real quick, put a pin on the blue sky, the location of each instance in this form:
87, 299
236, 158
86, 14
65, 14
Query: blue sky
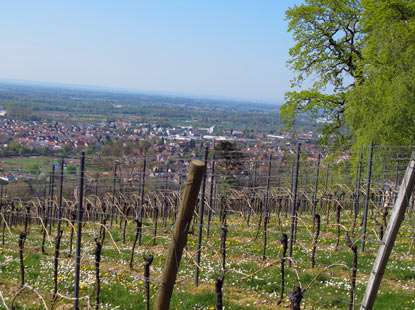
225, 49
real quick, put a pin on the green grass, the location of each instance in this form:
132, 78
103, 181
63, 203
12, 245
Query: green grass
26, 160
124, 287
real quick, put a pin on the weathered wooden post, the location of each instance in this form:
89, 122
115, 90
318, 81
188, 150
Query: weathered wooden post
22, 239
218, 290
284, 244
295, 296
385, 248
98, 248
181, 228
148, 260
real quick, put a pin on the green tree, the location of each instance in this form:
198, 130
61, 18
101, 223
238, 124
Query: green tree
19, 189
44, 150
230, 161
19, 111
71, 169
328, 50
67, 149
33, 168
145, 146
382, 108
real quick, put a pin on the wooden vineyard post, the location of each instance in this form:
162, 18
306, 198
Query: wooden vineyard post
181, 228
148, 260
388, 240
79, 213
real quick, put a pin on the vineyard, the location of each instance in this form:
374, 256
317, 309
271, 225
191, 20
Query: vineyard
268, 231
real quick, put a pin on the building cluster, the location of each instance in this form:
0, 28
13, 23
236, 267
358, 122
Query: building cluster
55, 135
171, 147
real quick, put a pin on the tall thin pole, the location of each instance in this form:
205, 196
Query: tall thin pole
316, 188
266, 209
96, 192
212, 185
167, 176
369, 177
58, 232
60, 195
294, 206
292, 179
252, 195
164, 203
45, 215
359, 175
327, 178
52, 185
201, 211
140, 211
113, 193
79, 213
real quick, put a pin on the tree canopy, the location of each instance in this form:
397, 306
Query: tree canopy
360, 57
382, 109
230, 161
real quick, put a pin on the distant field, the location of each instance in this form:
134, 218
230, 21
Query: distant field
32, 163
26, 160
79, 106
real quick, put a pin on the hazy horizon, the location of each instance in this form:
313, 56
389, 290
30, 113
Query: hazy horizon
116, 90
223, 50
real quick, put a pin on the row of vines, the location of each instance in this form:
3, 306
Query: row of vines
268, 232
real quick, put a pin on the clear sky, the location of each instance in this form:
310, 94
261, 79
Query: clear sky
216, 48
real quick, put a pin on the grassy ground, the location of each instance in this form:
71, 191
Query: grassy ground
25, 162
123, 288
